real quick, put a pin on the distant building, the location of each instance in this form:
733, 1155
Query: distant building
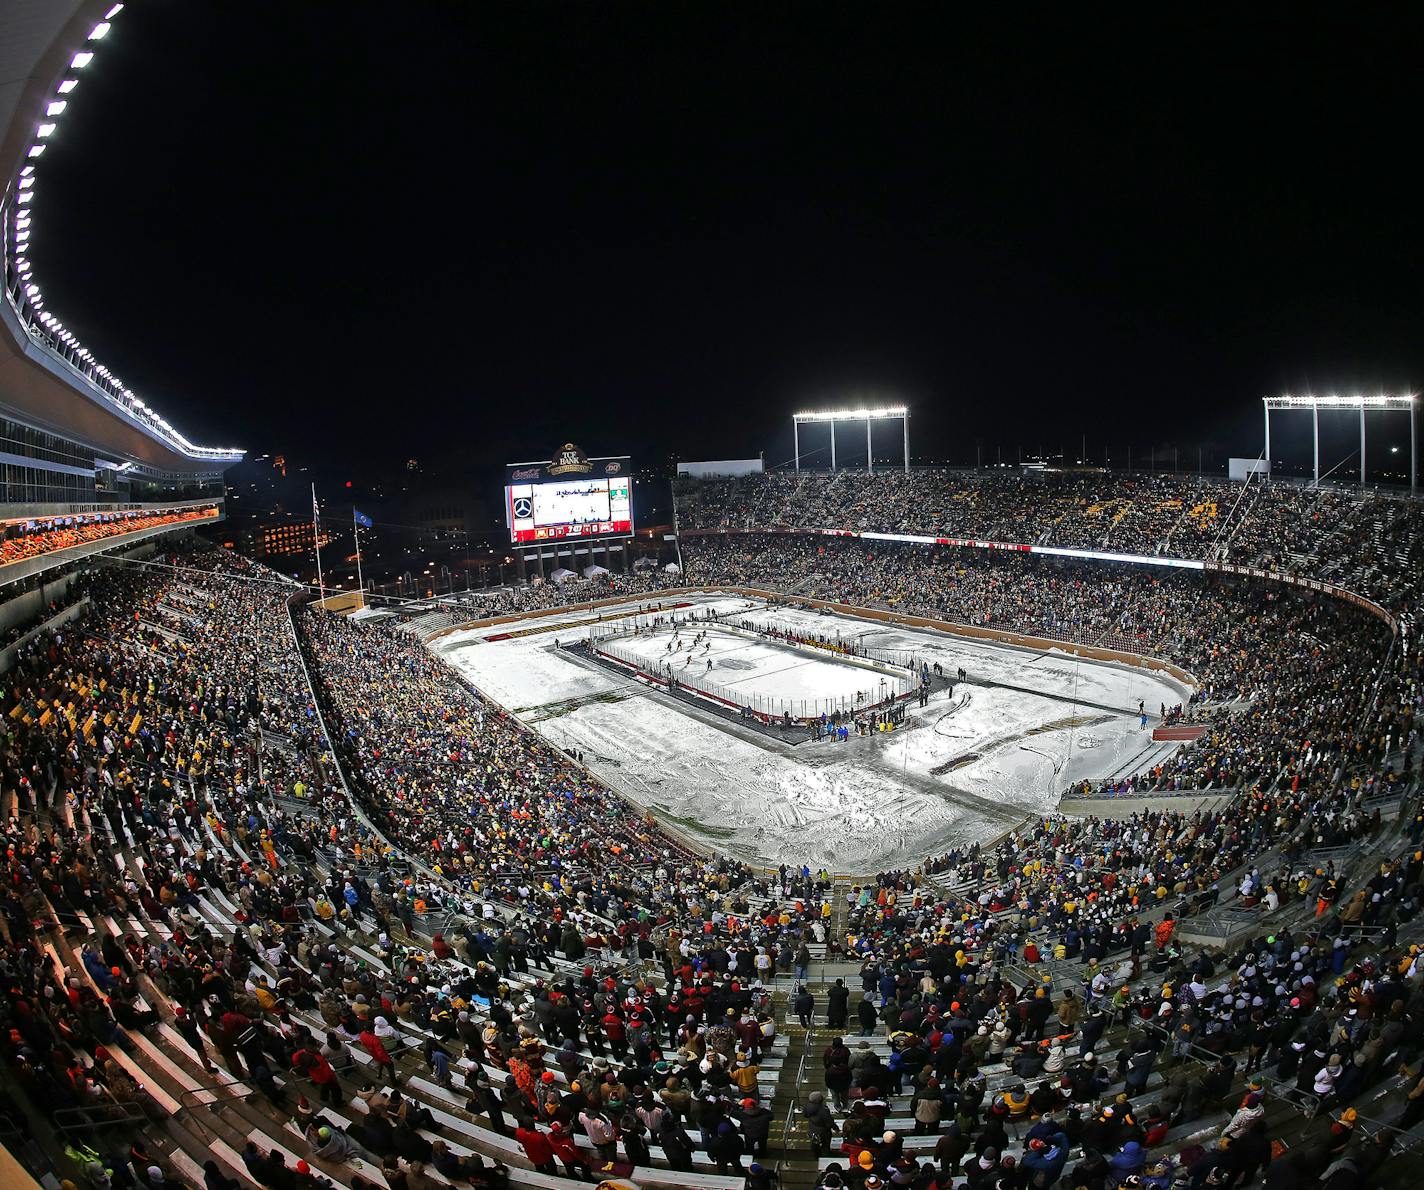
279, 537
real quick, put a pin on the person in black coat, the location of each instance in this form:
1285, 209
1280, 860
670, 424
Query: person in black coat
676, 1144
635, 1141
755, 1119
869, 1018
838, 1007
1252, 1151
725, 1148
804, 1005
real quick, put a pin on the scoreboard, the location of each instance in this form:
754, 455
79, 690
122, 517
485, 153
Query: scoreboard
568, 498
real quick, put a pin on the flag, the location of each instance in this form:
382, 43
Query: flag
362, 519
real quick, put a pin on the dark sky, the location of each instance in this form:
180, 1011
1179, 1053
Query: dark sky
371, 230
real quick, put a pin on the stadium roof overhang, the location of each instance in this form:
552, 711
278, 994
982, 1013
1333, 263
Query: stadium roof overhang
38, 38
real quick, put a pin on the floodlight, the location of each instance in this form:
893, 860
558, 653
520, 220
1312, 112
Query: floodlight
56, 108
99, 31
24, 196
1380, 403
36, 150
45, 130
22, 223
81, 60
113, 12
67, 86
852, 414
26, 182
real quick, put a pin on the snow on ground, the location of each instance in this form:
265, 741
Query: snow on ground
967, 766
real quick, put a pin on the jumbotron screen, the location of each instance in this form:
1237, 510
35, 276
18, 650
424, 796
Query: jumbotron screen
589, 498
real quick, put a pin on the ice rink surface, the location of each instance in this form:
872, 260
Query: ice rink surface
965, 767
768, 675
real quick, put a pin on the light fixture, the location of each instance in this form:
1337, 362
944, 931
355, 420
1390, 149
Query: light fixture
67, 86
36, 150
24, 196
99, 31
56, 108
113, 12
81, 60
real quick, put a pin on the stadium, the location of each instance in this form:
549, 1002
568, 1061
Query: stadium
883, 822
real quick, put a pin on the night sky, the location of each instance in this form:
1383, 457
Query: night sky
473, 231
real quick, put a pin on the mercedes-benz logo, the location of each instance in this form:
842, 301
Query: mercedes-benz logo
523, 507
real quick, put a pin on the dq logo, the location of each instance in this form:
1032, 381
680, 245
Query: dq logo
612, 468
523, 506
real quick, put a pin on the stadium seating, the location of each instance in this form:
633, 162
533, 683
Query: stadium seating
250, 843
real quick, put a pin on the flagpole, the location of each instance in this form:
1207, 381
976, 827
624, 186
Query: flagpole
356, 529
316, 542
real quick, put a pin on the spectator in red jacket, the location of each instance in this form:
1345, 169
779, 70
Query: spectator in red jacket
561, 1140
616, 1032
314, 1065
537, 1148
385, 1064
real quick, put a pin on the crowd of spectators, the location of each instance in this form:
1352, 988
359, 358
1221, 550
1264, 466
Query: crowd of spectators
1369, 543
541, 596
30, 539
602, 995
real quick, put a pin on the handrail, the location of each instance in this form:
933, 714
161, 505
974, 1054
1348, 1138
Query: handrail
214, 1102
791, 1108
109, 1113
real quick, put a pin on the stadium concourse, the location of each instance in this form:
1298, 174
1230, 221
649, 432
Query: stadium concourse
287, 902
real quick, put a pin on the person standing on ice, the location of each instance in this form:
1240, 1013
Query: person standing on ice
709, 665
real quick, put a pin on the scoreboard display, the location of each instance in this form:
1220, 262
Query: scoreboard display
568, 498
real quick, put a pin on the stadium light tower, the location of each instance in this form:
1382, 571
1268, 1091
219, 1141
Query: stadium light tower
900, 413
1401, 403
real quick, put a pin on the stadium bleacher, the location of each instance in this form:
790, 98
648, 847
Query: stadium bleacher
271, 871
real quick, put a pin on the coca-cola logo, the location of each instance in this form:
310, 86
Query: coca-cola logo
526, 473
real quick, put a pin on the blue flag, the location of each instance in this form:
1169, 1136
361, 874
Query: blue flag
362, 519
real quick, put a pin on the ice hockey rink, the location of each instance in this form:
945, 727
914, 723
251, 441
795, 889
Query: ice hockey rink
771, 676
1007, 743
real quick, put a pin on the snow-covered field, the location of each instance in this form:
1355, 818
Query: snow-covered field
965, 767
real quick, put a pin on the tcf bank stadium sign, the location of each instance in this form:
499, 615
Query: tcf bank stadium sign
569, 460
